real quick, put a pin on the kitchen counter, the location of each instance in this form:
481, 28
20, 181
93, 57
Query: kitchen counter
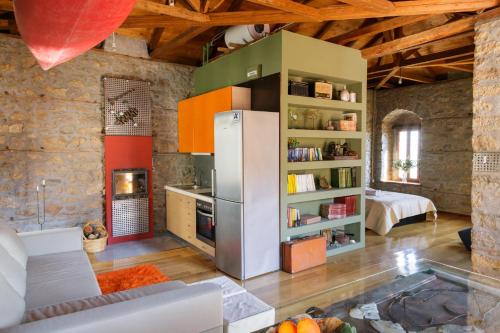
201, 193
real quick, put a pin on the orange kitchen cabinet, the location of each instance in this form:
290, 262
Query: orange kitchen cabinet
196, 117
184, 125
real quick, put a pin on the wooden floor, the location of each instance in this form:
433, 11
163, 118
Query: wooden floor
401, 248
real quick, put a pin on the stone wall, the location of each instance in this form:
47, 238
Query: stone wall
446, 150
486, 138
51, 128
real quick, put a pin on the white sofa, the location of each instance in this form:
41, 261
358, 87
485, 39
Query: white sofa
47, 285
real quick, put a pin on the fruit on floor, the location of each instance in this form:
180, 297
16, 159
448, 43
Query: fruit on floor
307, 326
287, 326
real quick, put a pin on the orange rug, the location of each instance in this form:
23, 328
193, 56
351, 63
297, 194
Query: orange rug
129, 278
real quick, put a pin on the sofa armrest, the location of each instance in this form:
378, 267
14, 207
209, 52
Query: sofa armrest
52, 241
191, 309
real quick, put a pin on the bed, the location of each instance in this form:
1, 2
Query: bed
384, 209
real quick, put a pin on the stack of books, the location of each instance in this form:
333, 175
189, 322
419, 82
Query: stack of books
350, 202
304, 154
301, 183
333, 211
293, 217
344, 177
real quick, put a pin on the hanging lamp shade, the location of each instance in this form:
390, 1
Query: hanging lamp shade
56, 31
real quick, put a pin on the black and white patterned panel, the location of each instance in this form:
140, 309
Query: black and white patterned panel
130, 216
127, 107
486, 162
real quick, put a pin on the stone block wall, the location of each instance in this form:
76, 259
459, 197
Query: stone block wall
51, 127
446, 148
486, 138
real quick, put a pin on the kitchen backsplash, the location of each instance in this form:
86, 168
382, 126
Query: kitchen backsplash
203, 164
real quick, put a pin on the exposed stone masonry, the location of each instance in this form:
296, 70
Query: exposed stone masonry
486, 138
446, 150
51, 128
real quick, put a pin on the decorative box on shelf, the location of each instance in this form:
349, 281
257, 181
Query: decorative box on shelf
298, 88
345, 125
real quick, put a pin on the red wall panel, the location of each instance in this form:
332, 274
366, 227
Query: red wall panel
126, 152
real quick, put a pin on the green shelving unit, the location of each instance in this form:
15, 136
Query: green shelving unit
288, 56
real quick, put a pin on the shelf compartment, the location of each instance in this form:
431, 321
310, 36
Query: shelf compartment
325, 104
329, 164
324, 224
323, 194
343, 249
322, 134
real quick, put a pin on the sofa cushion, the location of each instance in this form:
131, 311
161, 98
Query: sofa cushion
13, 244
60, 277
13, 272
12, 305
96, 301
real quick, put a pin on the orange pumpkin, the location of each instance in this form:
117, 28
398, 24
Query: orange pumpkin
308, 326
287, 326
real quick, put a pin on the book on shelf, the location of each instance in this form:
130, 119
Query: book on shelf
304, 154
301, 183
309, 219
350, 202
344, 177
293, 217
333, 211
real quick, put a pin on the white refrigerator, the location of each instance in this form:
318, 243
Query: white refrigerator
246, 192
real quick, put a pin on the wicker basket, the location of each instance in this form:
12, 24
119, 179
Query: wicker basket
94, 245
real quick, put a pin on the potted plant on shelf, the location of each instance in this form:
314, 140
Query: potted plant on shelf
405, 166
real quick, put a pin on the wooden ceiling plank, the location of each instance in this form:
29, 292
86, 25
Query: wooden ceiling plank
173, 11
330, 13
155, 38
195, 4
423, 37
416, 77
378, 5
324, 29
377, 28
192, 32
292, 7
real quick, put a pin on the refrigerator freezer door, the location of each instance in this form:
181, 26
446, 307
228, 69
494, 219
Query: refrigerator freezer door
229, 241
261, 192
228, 156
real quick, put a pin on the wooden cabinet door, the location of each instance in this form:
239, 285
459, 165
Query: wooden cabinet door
181, 215
206, 106
185, 128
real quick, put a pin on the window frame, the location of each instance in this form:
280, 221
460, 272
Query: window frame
397, 129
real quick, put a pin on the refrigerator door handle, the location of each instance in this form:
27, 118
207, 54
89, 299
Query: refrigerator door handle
212, 174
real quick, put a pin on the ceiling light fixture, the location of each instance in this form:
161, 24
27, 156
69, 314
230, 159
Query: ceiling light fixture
400, 81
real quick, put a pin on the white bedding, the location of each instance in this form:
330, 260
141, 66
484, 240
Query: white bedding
385, 209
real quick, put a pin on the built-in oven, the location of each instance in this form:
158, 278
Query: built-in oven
205, 224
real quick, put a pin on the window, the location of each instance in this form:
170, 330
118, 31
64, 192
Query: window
408, 148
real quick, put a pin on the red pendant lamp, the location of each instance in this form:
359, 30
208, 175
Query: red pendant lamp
56, 31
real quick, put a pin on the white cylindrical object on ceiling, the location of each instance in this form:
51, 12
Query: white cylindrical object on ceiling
244, 34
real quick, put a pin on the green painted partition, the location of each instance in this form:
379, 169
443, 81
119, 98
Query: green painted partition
292, 56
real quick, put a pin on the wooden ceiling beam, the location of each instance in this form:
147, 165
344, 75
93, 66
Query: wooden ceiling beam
416, 77
444, 55
6, 5
378, 5
330, 13
423, 37
377, 28
461, 68
292, 7
172, 11
387, 78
